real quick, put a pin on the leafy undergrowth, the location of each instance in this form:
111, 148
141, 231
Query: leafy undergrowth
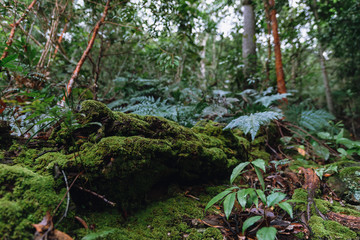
286, 183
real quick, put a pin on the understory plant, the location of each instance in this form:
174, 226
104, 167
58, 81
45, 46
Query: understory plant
246, 197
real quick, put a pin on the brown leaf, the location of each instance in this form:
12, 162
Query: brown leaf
44, 230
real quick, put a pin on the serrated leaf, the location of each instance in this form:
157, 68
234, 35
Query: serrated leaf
249, 222
287, 207
266, 233
237, 170
242, 194
261, 195
260, 177
229, 204
217, 198
259, 163
275, 198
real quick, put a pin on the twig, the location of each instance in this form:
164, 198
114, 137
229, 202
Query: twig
67, 201
97, 195
77, 176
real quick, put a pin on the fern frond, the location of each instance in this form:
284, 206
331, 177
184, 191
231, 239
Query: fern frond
252, 123
315, 120
267, 100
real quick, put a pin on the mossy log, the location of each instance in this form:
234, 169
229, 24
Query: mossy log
123, 157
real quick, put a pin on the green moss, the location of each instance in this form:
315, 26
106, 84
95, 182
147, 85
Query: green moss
47, 161
27, 156
24, 198
168, 219
95, 112
256, 153
329, 229
350, 172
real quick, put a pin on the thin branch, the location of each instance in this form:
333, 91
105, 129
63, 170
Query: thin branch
97, 195
86, 53
14, 26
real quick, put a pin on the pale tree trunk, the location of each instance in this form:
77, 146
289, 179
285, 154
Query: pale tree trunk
248, 41
180, 68
329, 100
278, 61
203, 83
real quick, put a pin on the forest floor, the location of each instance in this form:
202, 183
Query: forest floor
143, 177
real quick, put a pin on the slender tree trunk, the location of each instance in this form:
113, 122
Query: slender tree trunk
268, 59
86, 52
329, 100
15, 25
278, 62
203, 83
248, 41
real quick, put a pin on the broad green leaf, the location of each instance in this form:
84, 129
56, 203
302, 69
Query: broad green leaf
253, 199
285, 140
229, 203
321, 151
275, 198
259, 163
242, 194
249, 222
320, 172
217, 198
324, 135
287, 207
346, 142
342, 152
237, 171
261, 195
266, 233
260, 176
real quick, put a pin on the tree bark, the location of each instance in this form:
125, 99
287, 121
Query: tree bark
203, 62
15, 25
248, 41
278, 61
86, 52
268, 25
329, 100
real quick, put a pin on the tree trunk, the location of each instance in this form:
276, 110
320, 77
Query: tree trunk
248, 42
268, 59
329, 100
278, 62
203, 83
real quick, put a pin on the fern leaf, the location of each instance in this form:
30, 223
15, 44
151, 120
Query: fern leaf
267, 100
252, 123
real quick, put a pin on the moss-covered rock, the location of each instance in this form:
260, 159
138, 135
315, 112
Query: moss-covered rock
25, 196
